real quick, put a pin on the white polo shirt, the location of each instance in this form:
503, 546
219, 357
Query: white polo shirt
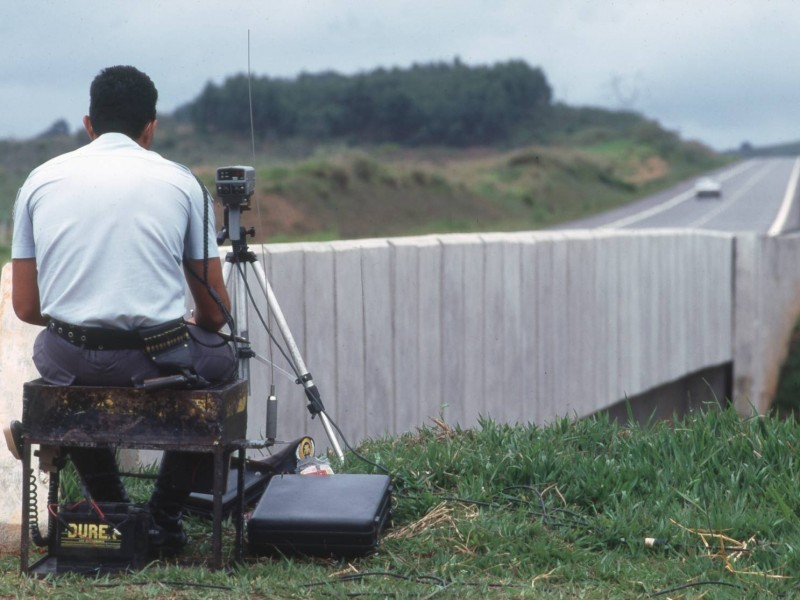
109, 225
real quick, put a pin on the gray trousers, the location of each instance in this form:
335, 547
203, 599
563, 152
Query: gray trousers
62, 363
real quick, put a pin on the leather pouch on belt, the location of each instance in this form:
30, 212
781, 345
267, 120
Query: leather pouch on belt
167, 345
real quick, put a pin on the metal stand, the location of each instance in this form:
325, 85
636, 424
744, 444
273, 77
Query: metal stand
210, 421
241, 257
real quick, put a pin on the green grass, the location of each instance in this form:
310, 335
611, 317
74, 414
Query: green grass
311, 193
787, 396
561, 511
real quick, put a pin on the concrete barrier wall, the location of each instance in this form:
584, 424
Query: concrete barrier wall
517, 327
524, 327
767, 307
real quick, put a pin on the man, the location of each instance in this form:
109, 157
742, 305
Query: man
105, 239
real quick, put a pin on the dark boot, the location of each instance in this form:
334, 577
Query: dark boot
97, 468
167, 536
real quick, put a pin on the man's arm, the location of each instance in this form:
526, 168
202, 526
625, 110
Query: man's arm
25, 291
207, 313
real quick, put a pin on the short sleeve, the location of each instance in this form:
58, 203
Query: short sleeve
22, 244
201, 235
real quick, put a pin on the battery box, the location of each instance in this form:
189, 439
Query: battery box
100, 537
337, 515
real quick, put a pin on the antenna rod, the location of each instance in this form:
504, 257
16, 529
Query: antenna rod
250, 97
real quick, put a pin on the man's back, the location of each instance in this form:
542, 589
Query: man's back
112, 223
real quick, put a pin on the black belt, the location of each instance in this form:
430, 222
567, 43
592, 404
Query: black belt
97, 338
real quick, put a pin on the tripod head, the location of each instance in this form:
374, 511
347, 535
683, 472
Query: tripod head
235, 187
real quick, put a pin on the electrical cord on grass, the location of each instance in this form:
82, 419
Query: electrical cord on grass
429, 579
359, 576
695, 584
165, 582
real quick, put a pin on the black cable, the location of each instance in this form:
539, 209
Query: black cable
206, 201
212, 292
394, 477
530, 488
33, 513
695, 584
430, 579
164, 582
199, 342
275, 341
359, 576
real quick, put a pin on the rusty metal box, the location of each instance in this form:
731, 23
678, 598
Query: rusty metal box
85, 415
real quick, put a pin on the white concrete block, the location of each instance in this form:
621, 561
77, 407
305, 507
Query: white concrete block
529, 330
405, 335
473, 404
513, 332
349, 323
16, 368
376, 268
581, 318
319, 305
433, 354
462, 331
495, 303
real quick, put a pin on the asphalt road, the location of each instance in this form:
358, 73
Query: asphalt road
755, 196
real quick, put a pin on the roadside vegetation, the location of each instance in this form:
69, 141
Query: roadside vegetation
434, 148
338, 191
702, 507
561, 511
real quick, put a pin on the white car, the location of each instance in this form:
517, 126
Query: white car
707, 187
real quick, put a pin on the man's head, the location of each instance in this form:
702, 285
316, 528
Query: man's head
123, 100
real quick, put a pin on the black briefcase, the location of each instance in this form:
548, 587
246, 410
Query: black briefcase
339, 515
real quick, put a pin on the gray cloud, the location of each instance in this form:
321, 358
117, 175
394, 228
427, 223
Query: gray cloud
717, 70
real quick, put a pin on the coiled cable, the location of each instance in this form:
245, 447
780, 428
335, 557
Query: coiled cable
33, 509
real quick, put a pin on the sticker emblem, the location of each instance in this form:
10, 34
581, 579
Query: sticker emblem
305, 448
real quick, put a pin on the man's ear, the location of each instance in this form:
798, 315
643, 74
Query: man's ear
87, 125
146, 137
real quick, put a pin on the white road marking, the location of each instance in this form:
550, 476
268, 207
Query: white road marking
788, 199
672, 202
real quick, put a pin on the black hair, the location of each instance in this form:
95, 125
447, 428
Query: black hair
122, 100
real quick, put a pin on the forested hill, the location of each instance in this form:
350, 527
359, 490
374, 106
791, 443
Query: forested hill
433, 148
438, 104
449, 105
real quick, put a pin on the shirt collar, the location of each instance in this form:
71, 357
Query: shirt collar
114, 139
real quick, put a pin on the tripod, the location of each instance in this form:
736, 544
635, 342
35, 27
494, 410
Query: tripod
236, 262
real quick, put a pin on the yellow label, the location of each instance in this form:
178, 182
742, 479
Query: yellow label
91, 534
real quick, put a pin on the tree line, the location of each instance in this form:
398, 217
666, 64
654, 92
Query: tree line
449, 104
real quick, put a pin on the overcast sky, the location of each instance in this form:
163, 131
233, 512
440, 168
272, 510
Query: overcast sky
720, 71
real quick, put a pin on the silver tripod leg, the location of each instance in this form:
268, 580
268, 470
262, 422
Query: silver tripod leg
304, 375
238, 294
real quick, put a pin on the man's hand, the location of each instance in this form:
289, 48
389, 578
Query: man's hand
207, 313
